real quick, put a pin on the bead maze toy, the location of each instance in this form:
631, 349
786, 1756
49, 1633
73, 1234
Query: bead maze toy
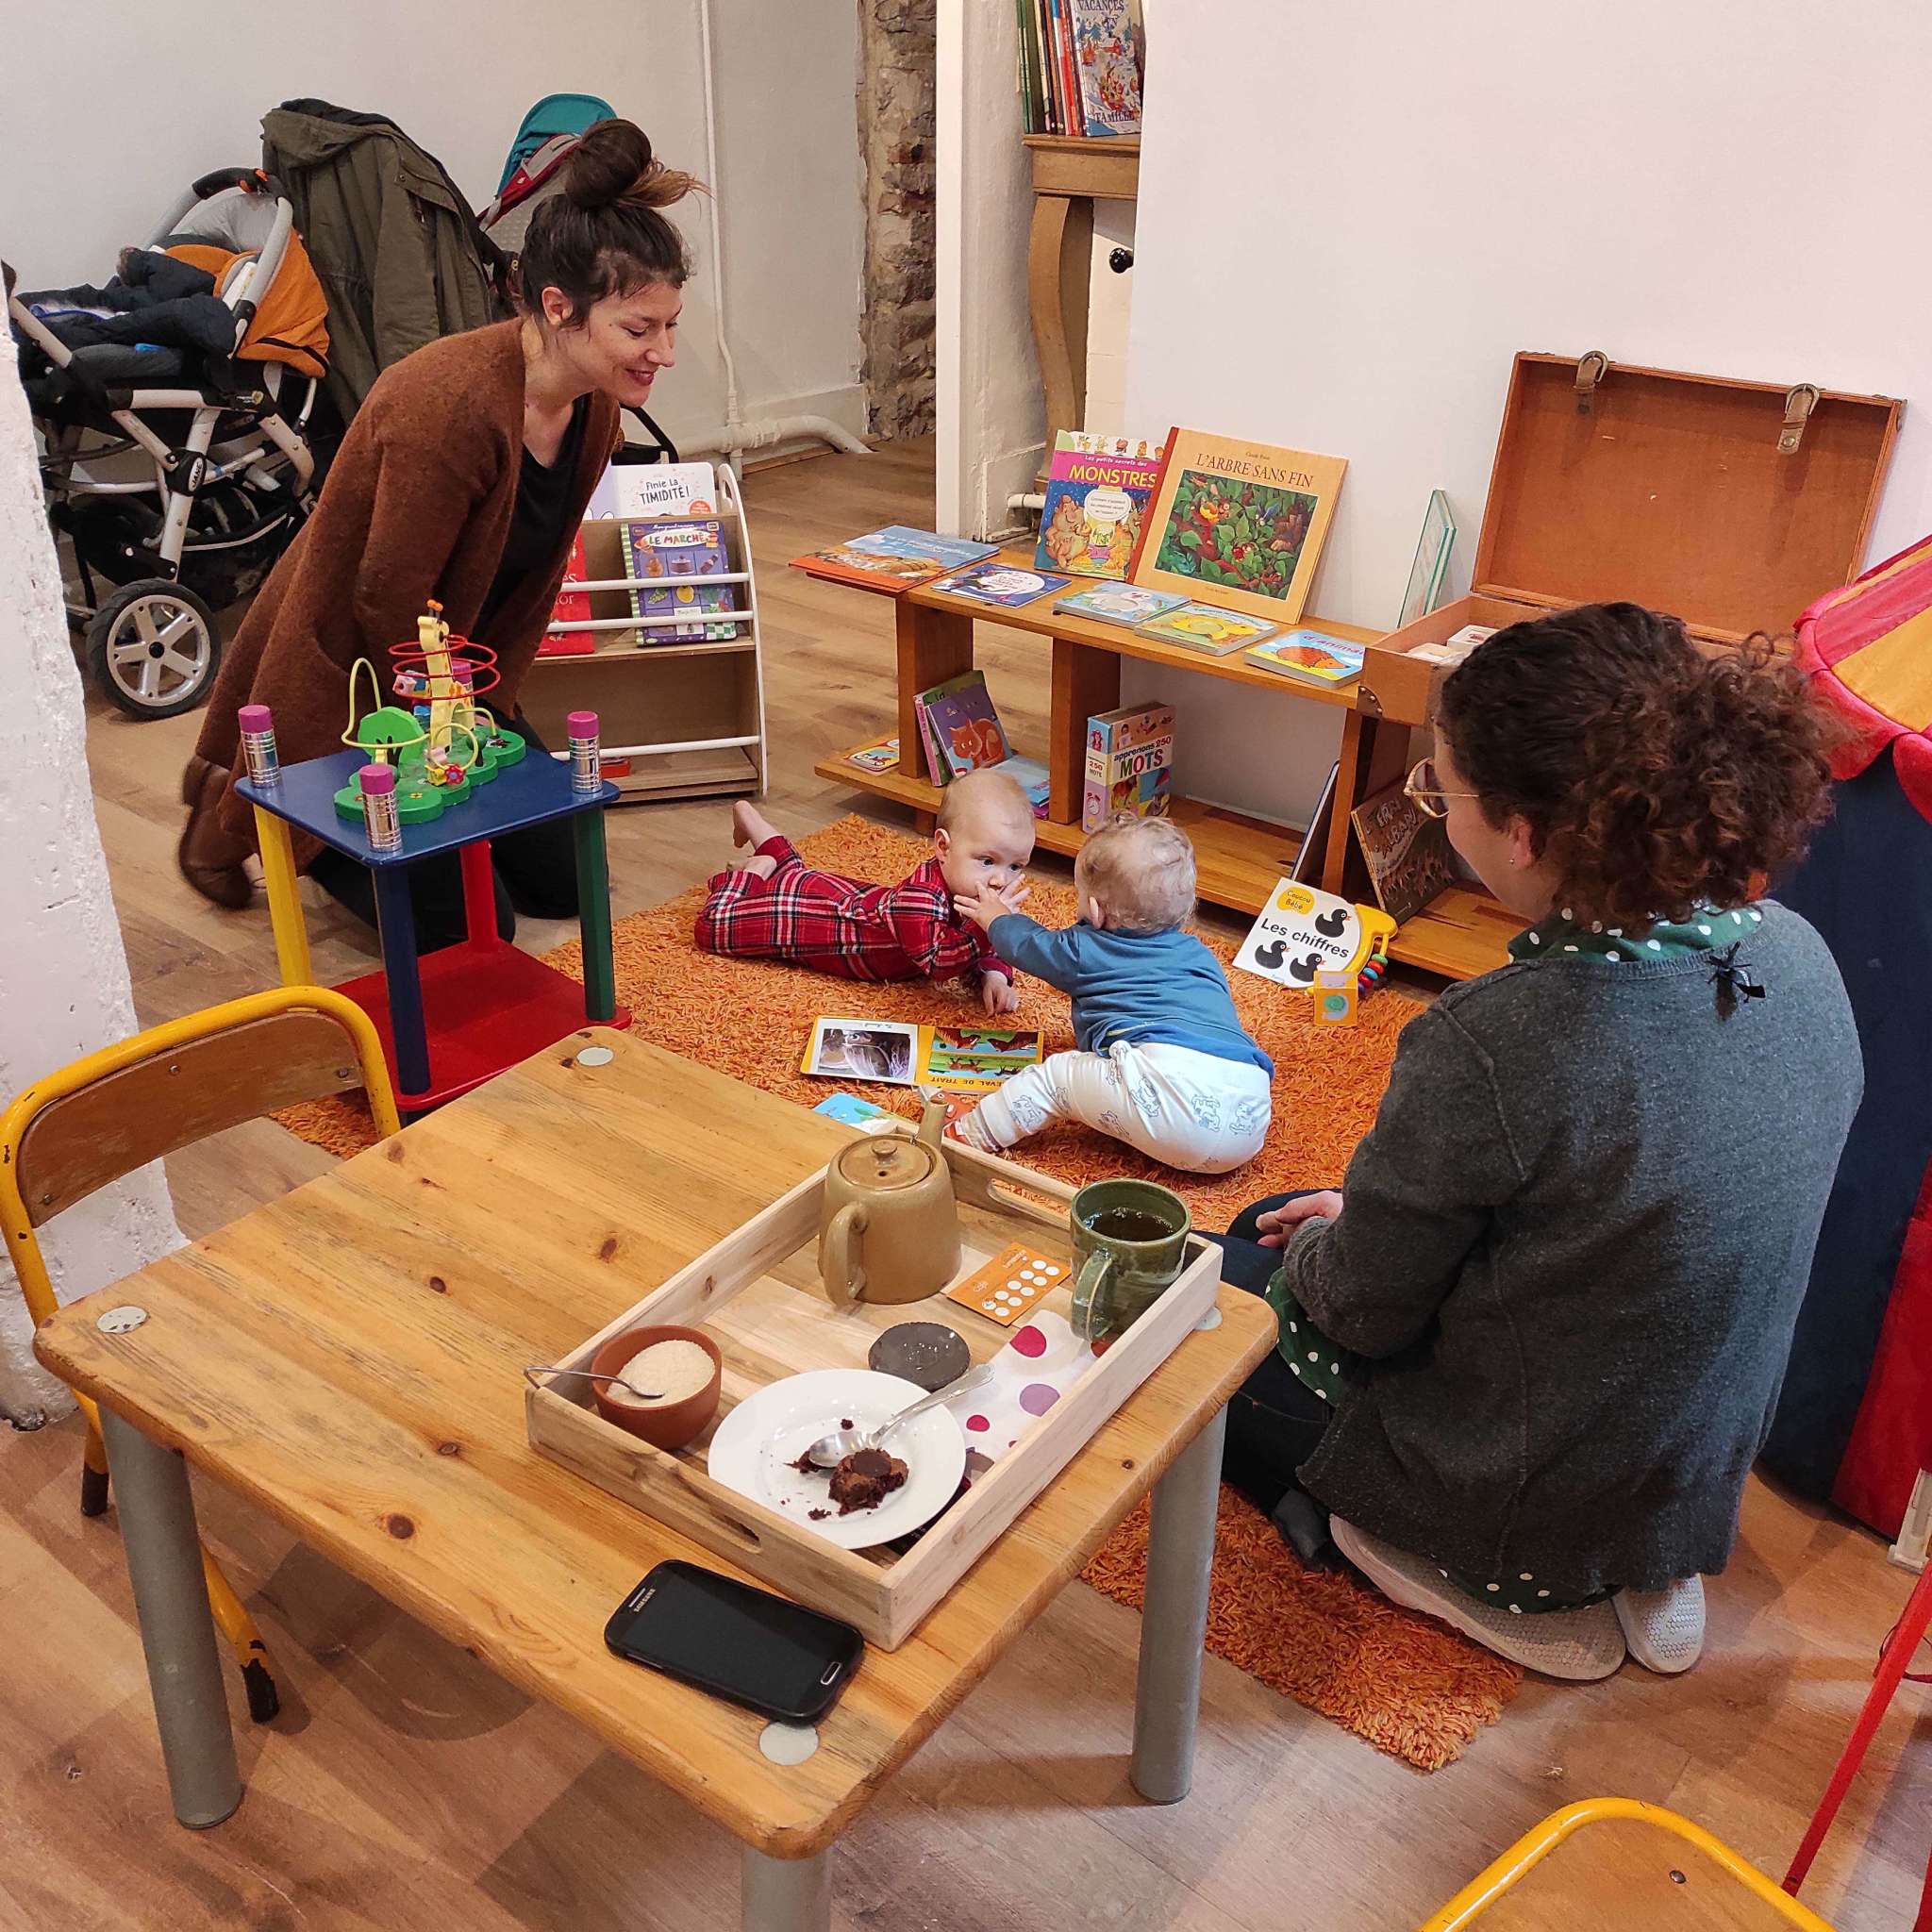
444, 744
438, 773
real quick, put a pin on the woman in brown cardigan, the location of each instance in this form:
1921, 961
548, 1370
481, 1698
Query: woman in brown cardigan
463, 478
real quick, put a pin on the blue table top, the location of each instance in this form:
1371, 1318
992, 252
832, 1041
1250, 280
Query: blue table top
527, 793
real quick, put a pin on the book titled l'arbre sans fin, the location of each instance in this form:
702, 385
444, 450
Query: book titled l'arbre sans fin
892, 560
1239, 524
1129, 764
1311, 655
1097, 492
663, 553
961, 729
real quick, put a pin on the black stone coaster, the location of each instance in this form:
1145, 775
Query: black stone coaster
926, 1352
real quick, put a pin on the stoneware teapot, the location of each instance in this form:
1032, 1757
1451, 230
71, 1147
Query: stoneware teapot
890, 1230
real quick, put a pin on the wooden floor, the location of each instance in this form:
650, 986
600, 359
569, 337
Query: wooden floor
404, 1787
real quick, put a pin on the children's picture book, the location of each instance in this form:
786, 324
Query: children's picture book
1120, 604
1424, 590
1106, 66
573, 606
1032, 778
876, 755
1311, 655
1242, 524
959, 1058
892, 560
1000, 583
1129, 764
963, 731
855, 1112
657, 490
1097, 491
660, 551
1303, 930
1314, 846
1407, 850
1206, 627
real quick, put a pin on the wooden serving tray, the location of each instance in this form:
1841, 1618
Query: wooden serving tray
757, 1295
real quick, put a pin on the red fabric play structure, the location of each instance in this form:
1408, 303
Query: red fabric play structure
1855, 1422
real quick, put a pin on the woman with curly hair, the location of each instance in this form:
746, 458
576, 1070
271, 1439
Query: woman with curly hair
1531, 1349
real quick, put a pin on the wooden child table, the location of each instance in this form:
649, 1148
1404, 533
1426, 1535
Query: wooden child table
351, 1355
482, 1004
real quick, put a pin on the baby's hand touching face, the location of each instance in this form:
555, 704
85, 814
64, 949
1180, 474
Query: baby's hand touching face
986, 856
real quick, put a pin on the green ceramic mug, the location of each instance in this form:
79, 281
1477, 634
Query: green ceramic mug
1130, 1241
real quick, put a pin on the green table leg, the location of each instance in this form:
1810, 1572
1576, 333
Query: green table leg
594, 917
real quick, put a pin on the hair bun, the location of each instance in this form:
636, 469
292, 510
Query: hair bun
612, 163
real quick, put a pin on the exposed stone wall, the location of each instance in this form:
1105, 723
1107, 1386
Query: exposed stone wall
896, 47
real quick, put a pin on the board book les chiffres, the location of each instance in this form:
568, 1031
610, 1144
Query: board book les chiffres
1302, 931
960, 1058
1097, 491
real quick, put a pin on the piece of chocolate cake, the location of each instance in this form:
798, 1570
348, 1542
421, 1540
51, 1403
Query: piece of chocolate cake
865, 1479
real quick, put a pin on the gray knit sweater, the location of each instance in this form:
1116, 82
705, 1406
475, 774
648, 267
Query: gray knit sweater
1574, 1244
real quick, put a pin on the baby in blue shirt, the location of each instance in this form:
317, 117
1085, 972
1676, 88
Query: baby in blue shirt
1163, 1062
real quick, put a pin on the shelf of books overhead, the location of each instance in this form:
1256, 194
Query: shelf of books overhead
656, 629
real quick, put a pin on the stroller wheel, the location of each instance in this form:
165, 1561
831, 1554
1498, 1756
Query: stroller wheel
153, 648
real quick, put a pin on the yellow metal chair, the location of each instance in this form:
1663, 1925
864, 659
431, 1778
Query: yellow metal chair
1609, 1864
116, 1110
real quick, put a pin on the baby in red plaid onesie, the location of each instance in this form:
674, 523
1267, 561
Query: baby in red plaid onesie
775, 907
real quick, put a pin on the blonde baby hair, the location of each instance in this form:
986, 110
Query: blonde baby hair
1141, 870
989, 793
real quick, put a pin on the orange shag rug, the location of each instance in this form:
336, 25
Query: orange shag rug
1406, 1684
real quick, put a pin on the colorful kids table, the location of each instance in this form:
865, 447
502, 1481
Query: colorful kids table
481, 1004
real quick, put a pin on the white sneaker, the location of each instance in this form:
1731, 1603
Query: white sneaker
1663, 1627
1579, 1645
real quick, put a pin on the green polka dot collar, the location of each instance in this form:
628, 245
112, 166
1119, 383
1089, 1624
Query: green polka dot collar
1560, 937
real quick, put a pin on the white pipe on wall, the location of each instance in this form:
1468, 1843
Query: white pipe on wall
735, 435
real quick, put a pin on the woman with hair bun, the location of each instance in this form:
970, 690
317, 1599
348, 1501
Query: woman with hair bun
463, 478
1531, 1349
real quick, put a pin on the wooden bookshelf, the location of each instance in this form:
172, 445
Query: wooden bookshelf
1239, 858
687, 715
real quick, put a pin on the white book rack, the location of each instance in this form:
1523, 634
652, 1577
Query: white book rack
685, 715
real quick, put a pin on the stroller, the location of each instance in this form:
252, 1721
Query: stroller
173, 410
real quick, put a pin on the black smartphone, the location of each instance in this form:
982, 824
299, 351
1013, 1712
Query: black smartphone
735, 1641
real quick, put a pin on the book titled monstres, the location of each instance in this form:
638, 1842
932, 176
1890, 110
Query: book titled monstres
1097, 490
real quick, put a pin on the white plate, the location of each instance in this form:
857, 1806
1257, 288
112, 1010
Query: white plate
756, 1445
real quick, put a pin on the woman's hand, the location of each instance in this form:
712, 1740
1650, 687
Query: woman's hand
984, 906
1279, 1223
996, 993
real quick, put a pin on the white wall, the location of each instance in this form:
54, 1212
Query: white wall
1400, 198
63, 976
990, 409
108, 112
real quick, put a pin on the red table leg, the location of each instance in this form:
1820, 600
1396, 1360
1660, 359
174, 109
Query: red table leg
479, 893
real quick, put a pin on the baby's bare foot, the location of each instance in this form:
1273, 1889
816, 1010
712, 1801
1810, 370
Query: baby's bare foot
762, 863
750, 826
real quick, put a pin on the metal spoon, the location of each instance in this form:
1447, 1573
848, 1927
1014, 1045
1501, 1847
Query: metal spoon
829, 1452
537, 1369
